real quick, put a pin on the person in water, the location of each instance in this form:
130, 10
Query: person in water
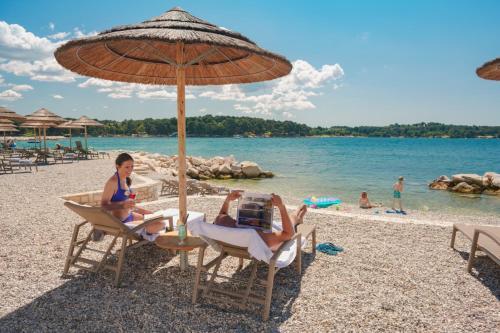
274, 239
116, 195
364, 202
398, 188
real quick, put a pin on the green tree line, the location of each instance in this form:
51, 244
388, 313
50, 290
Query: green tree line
225, 126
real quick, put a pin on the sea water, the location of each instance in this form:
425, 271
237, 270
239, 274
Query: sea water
344, 167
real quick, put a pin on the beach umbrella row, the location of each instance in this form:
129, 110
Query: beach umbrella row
70, 125
7, 125
46, 119
86, 121
175, 48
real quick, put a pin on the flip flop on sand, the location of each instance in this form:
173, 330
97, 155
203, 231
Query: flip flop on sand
329, 248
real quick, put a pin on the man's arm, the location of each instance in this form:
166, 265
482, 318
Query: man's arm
233, 195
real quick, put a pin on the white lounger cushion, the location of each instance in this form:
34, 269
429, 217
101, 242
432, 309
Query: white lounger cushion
193, 216
248, 238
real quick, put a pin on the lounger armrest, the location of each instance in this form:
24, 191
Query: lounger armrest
282, 247
146, 223
484, 232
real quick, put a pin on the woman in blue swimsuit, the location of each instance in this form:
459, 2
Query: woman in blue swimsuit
117, 190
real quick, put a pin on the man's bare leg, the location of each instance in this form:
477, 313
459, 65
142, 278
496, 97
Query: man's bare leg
289, 223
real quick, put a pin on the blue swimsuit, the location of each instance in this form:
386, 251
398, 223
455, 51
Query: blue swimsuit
121, 196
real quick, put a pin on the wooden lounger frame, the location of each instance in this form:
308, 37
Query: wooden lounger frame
103, 221
489, 242
209, 288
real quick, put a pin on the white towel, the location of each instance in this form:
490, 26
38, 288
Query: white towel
193, 216
244, 237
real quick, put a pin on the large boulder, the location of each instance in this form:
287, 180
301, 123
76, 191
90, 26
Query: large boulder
225, 169
193, 173
473, 179
459, 178
439, 185
250, 169
463, 187
491, 179
196, 161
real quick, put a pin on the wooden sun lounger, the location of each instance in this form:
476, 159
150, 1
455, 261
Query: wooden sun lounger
103, 221
484, 238
209, 289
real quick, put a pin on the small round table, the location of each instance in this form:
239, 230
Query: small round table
170, 241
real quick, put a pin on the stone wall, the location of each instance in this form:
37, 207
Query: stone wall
146, 189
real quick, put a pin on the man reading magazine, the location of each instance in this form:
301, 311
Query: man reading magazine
260, 220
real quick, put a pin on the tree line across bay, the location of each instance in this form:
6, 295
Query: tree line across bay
227, 126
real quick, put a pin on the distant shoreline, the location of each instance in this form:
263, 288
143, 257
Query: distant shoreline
60, 137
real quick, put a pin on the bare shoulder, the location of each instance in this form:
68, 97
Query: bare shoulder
111, 182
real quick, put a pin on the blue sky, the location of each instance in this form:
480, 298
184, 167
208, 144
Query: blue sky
355, 62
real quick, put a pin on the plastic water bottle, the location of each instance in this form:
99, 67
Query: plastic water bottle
181, 229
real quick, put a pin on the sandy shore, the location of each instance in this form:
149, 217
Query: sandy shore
396, 273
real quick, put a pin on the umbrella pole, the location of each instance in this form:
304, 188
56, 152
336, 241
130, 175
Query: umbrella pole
181, 136
70, 138
45, 144
181, 130
86, 147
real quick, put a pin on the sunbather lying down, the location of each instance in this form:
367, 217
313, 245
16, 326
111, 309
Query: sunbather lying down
274, 239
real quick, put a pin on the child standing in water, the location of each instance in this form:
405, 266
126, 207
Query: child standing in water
398, 189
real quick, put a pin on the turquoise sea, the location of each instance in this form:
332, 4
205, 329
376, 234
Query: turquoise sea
343, 167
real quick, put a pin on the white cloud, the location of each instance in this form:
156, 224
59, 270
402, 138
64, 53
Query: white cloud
287, 114
242, 108
93, 82
80, 34
17, 43
2, 80
293, 92
203, 110
24, 54
20, 87
119, 95
118, 90
10, 95
105, 107
57, 97
52, 26
59, 35
157, 94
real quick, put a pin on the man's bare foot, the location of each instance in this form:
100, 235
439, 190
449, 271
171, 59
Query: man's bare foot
299, 215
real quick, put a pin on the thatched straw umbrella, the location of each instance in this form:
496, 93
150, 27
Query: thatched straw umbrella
7, 126
86, 121
9, 114
37, 125
70, 125
45, 116
174, 48
490, 70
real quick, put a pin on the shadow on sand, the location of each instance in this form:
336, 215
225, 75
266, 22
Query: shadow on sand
485, 270
155, 296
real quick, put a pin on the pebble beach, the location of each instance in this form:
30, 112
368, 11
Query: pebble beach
395, 273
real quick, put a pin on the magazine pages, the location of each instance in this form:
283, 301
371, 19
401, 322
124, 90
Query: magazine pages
255, 210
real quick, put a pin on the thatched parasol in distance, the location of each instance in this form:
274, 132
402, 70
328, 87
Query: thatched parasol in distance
174, 48
9, 114
37, 125
45, 116
70, 125
7, 126
86, 121
490, 70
